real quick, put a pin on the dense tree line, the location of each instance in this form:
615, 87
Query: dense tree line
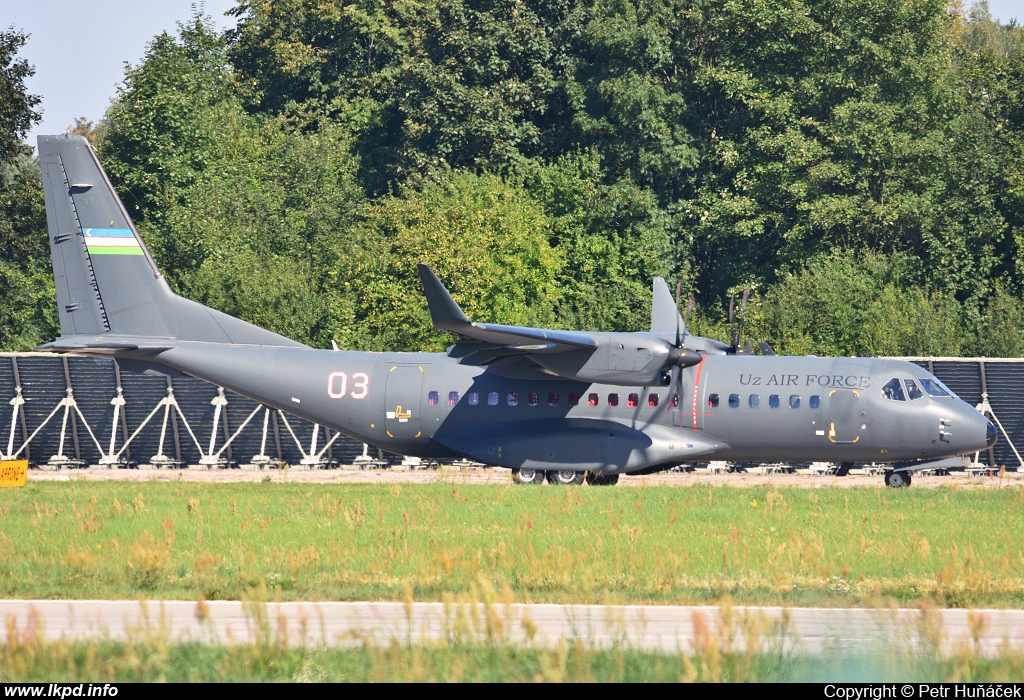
858, 163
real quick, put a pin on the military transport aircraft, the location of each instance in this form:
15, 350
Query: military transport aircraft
565, 406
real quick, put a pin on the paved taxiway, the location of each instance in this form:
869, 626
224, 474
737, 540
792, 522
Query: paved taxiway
498, 476
669, 628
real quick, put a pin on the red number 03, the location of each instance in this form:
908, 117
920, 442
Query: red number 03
337, 385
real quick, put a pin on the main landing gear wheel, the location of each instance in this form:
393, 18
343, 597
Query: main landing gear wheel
527, 476
602, 480
565, 477
897, 480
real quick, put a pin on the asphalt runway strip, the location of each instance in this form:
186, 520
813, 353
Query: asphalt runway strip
665, 628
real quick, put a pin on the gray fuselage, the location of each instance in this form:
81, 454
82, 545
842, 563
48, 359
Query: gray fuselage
429, 405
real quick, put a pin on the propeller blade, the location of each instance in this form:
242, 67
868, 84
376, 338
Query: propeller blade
743, 313
766, 349
732, 332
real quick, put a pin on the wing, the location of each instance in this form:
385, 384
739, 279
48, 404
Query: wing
481, 343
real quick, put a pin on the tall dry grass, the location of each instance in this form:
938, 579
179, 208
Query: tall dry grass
732, 646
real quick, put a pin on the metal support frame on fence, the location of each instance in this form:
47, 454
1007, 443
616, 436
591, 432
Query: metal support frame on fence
17, 402
60, 460
214, 450
263, 460
985, 408
365, 461
111, 458
312, 459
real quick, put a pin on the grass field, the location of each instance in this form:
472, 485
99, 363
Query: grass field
839, 547
148, 661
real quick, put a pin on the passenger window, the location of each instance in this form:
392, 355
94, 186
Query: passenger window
652, 399
675, 401
815, 401
492, 398
633, 400
912, 391
453, 398
533, 399
754, 401
593, 400
574, 399
713, 401
433, 397
893, 390
513, 398
473, 397
773, 401
734, 400
794, 401
933, 388
553, 398
613, 399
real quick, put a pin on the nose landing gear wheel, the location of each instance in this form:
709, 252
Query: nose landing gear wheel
565, 477
602, 480
527, 476
897, 480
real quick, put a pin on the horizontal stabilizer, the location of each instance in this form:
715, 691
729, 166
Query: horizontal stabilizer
104, 345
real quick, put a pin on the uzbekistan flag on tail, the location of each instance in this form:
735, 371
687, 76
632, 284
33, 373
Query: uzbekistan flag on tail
111, 241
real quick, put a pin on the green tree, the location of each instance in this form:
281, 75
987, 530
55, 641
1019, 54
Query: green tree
265, 230
858, 303
613, 240
242, 212
486, 240
27, 303
458, 83
164, 120
17, 106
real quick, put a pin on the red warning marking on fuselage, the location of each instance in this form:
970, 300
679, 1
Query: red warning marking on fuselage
696, 386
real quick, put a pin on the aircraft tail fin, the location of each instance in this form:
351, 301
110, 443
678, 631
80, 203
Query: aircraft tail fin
107, 282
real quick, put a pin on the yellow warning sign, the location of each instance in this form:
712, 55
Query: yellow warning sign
13, 473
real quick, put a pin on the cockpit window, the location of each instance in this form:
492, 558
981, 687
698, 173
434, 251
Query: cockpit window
933, 388
893, 391
912, 391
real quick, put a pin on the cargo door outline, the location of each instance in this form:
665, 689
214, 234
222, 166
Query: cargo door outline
844, 416
402, 397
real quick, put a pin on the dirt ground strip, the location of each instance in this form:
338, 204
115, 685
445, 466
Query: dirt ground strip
498, 476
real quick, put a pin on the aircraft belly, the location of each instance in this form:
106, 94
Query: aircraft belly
578, 445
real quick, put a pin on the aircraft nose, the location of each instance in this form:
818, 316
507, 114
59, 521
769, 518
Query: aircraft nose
991, 434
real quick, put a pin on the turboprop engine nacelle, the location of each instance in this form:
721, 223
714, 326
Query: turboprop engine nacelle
630, 359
